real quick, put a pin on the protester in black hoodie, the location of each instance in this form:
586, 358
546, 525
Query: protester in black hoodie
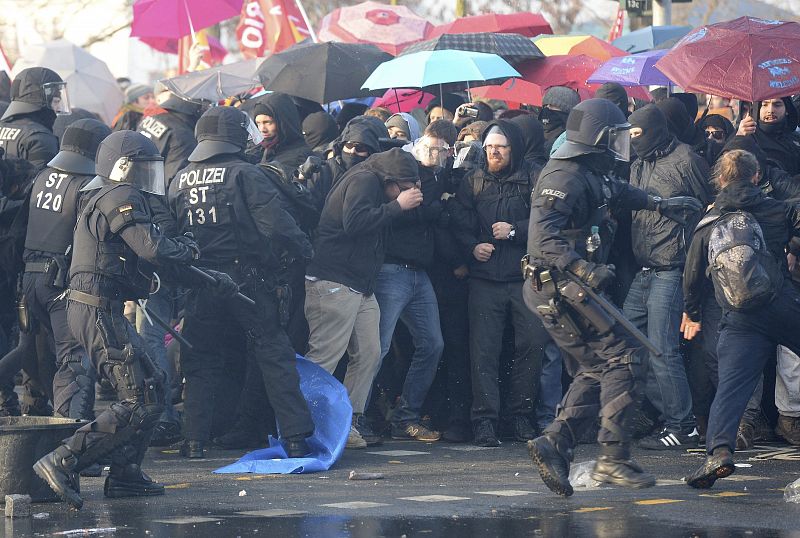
492, 223
319, 130
774, 132
276, 116
341, 309
532, 132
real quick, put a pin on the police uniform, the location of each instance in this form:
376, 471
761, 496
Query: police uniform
27, 139
235, 215
173, 133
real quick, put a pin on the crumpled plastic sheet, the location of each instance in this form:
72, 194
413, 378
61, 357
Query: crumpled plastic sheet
331, 412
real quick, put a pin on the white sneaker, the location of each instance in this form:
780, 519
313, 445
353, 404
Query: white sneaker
354, 439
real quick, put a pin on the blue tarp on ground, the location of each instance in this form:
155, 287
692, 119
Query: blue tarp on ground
331, 412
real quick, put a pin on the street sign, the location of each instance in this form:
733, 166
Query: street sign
637, 7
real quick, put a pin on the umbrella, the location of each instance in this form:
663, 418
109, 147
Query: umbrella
178, 18
170, 46
577, 44
513, 48
390, 28
746, 58
403, 100
649, 37
216, 83
634, 70
430, 68
90, 84
321, 72
523, 23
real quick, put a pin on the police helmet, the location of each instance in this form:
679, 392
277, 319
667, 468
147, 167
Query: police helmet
596, 126
223, 130
129, 157
36, 88
79, 146
169, 101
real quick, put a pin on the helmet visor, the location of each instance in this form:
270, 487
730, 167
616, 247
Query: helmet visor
145, 174
431, 151
55, 94
619, 142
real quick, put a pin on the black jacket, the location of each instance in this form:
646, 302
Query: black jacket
484, 198
779, 221
173, 135
659, 242
290, 149
23, 137
350, 242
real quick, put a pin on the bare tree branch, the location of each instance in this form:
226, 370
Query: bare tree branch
106, 35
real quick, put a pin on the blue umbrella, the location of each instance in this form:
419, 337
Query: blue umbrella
436, 67
649, 37
634, 70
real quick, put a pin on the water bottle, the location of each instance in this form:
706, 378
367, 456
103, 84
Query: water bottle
593, 243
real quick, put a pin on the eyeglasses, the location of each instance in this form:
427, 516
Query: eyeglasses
358, 147
500, 148
434, 151
716, 135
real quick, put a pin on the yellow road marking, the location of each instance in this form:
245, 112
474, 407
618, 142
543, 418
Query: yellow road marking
182, 485
591, 509
725, 494
658, 501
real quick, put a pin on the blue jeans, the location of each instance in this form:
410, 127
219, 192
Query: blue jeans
160, 304
550, 391
407, 294
655, 304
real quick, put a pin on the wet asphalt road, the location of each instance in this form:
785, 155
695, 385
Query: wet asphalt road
433, 490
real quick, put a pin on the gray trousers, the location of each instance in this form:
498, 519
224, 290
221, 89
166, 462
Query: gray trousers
787, 383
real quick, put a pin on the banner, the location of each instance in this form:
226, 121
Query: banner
269, 26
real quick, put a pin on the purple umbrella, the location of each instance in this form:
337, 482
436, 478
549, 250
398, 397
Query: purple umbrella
634, 70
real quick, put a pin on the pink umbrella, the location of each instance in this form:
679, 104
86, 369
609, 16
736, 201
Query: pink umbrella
403, 100
390, 28
170, 46
178, 18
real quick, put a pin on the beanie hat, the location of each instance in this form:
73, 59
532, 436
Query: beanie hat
561, 97
396, 120
135, 91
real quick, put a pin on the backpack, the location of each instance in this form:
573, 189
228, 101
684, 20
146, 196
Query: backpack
744, 273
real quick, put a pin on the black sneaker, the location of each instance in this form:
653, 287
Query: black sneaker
363, 428
485, 435
641, 425
745, 436
457, 432
237, 439
717, 465
523, 431
669, 440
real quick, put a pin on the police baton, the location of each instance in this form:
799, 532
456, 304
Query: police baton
211, 280
164, 325
614, 312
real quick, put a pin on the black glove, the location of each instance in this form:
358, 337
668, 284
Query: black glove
224, 286
677, 208
189, 242
310, 167
596, 275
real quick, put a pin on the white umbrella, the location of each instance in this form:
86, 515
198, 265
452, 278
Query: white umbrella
90, 84
216, 83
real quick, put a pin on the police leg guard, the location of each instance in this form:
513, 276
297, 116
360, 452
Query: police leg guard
9, 401
73, 389
615, 466
126, 479
58, 470
552, 455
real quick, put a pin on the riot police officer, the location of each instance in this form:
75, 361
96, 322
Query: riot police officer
235, 214
116, 248
574, 193
173, 131
26, 130
53, 210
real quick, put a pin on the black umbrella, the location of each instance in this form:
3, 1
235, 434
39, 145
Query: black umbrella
513, 48
322, 72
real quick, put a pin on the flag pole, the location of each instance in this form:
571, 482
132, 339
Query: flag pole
308, 23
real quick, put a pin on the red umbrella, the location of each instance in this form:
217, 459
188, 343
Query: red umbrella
746, 58
178, 18
523, 23
403, 100
390, 28
539, 75
170, 46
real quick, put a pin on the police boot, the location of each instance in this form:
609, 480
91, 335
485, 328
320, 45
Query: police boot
193, 449
58, 469
296, 447
717, 465
9, 402
129, 481
552, 455
615, 466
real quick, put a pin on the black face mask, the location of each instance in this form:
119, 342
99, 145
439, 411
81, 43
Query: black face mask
647, 144
774, 127
554, 121
351, 159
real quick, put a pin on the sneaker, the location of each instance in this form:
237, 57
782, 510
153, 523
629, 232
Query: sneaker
485, 435
239, 439
457, 432
418, 432
744, 436
717, 465
360, 422
789, 429
668, 440
522, 429
354, 439
641, 425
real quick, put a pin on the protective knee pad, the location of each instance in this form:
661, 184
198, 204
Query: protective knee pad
73, 391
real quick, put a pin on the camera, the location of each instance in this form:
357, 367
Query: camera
469, 112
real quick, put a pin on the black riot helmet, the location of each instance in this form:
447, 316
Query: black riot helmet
129, 157
223, 130
36, 88
596, 126
79, 146
173, 103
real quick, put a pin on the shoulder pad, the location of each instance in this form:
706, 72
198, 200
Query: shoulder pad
277, 170
122, 207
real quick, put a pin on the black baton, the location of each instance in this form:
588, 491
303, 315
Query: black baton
166, 326
211, 280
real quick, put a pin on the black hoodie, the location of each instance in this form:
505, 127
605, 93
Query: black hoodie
350, 243
781, 144
533, 135
290, 149
484, 198
319, 130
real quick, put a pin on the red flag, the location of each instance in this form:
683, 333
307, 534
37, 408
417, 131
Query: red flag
269, 26
619, 22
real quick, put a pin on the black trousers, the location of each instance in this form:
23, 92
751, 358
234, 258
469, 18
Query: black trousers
491, 306
208, 319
